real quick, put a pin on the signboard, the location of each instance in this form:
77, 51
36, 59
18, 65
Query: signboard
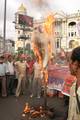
25, 20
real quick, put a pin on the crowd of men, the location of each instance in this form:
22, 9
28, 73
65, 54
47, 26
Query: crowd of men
23, 72
28, 71
18, 75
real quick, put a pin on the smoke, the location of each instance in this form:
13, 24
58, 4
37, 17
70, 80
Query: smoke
42, 6
40, 3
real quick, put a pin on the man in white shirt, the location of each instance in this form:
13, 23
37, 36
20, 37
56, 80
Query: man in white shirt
2, 76
10, 75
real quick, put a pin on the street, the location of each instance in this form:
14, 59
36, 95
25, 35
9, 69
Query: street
11, 108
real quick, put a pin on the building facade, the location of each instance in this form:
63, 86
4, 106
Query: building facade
66, 30
67, 34
23, 33
9, 46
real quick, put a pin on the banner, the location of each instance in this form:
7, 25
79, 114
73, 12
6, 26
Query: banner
60, 79
67, 85
25, 20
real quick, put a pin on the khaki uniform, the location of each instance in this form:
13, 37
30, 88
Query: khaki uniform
21, 74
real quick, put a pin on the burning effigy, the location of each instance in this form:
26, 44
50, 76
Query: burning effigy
42, 41
42, 47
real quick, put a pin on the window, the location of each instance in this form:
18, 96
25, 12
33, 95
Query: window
18, 32
72, 23
57, 44
75, 33
72, 34
71, 44
69, 34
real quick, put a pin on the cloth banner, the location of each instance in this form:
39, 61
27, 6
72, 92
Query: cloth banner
67, 85
60, 79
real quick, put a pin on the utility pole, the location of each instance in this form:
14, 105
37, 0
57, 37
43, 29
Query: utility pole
4, 30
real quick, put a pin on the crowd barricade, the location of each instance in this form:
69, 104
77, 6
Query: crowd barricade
59, 80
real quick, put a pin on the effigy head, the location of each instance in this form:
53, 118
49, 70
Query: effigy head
40, 46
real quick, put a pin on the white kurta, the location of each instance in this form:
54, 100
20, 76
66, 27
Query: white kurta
72, 113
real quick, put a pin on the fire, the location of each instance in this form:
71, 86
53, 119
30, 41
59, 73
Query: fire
48, 25
49, 32
27, 108
50, 49
37, 54
48, 29
44, 50
40, 61
45, 72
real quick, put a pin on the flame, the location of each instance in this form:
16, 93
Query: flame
37, 54
50, 49
48, 25
48, 29
40, 61
49, 32
45, 72
27, 108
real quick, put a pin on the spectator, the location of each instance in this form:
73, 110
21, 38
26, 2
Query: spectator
30, 74
37, 82
74, 103
11, 75
21, 74
2, 76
